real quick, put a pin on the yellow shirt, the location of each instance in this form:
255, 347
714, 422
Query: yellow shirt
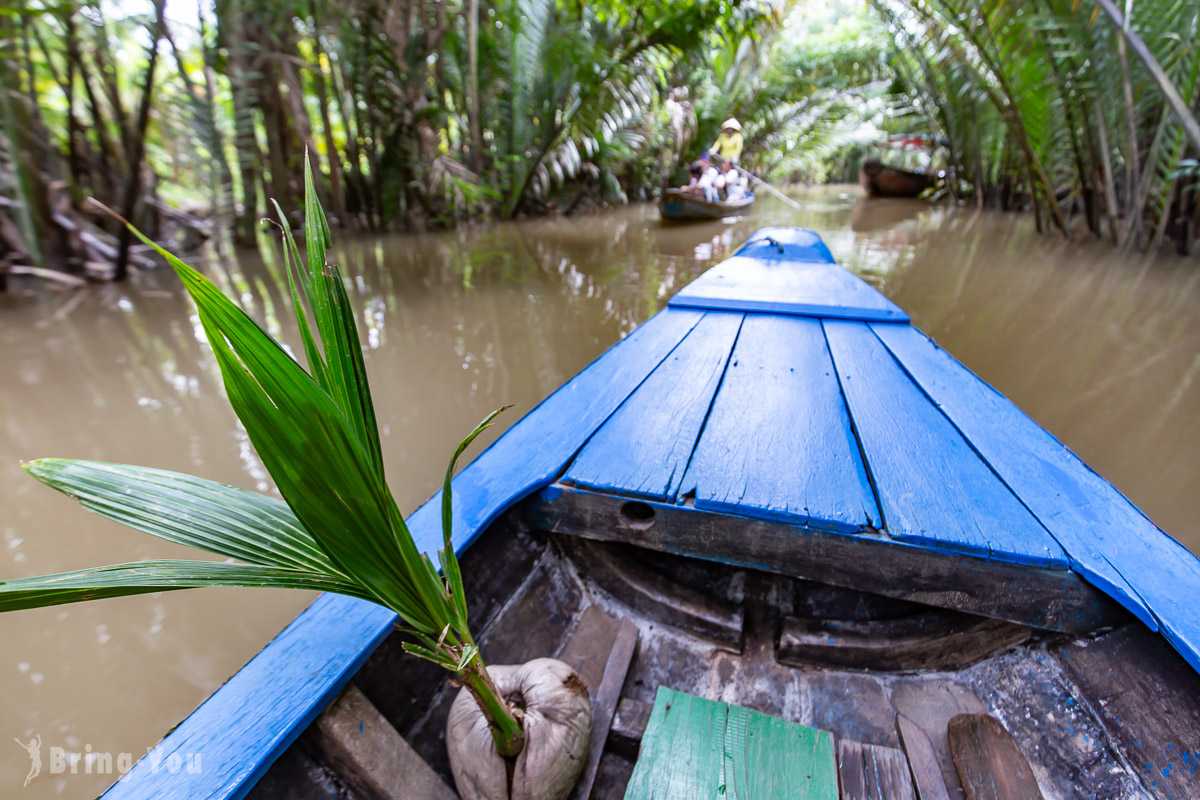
728, 145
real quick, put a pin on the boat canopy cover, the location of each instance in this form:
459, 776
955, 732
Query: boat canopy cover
777, 386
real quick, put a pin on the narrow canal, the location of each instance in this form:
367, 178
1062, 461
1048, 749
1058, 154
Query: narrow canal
1101, 348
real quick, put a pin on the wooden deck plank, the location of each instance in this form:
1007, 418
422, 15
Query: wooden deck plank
873, 772
804, 288
1106, 537
681, 754
537, 447
644, 448
989, 763
766, 757
932, 487
605, 695
786, 244
366, 751
697, 749
922, 760
243, 727
778, 443
1148, 699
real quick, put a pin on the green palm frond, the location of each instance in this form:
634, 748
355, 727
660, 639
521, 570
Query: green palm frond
338, 527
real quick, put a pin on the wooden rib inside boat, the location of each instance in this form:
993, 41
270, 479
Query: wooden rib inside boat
776, 495
879, 180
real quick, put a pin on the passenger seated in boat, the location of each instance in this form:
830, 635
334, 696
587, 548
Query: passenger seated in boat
732, 184
710, 183
728, 146
695, 171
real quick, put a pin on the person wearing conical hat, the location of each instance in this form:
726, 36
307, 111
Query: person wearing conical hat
729, 143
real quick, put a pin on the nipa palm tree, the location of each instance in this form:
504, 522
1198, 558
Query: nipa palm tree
339, 529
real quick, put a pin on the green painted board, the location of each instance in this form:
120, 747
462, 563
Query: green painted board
697, 749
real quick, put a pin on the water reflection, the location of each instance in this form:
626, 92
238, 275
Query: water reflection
1102, 348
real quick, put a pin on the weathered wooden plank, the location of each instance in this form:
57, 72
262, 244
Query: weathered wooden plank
605, 696
778, 443
644, 448
367, 752
932, 487
873, 772
629, 726
803, 288
936, 640
1043, 710
1105, 536
989, 763
922, 760
766, 757
657, 597
536, 448
243, 727
696, 749
589, 644
1149, 700
1056, 600
786, 244
930, 705
681, 756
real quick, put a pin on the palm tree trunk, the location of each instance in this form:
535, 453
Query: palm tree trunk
1110, 189
1186, 118
245, 99
205, 120
133, 180
473, 121
317, 71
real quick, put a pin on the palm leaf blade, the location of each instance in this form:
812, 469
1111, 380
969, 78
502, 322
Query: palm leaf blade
142, 577
187, 510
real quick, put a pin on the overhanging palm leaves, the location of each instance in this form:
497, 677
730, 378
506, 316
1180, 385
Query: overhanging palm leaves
1040, 100
339, 528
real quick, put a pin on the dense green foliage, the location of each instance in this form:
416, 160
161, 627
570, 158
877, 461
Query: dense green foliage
1047, 104
418, 113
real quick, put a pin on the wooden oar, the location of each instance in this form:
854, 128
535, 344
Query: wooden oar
762, 183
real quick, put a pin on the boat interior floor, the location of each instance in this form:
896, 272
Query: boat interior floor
1111, 714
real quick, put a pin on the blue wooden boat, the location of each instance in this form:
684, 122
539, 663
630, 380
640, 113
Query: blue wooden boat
791, 499
680, 206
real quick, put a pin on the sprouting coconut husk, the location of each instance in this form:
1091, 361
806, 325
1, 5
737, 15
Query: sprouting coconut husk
557, 723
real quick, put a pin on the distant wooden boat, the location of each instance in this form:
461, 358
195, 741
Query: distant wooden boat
880, 180
778, 493
678, 205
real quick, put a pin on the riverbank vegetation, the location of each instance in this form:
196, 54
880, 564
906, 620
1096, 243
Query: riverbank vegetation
188, 117
1063, 107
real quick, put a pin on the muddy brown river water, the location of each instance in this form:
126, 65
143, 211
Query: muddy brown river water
1101, 348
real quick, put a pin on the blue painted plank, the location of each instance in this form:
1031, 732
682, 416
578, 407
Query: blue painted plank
1108, 539
644, 448
805, 288
788, 244
778, 443
241, 729
932, 486
536, 449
